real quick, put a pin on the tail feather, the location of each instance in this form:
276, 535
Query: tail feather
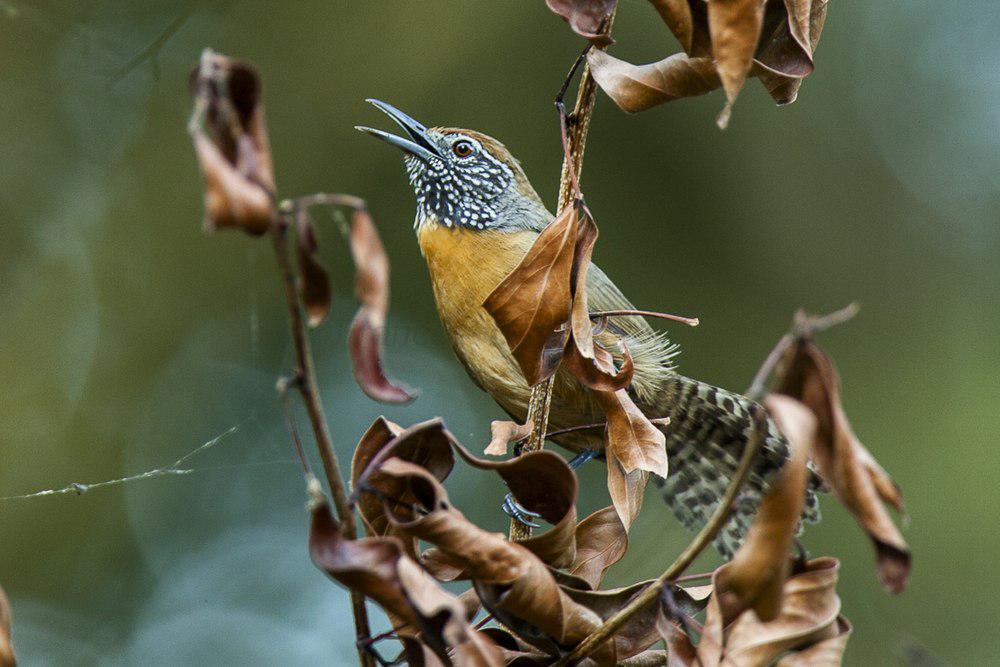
705, 438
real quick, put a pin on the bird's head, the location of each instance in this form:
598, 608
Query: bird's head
463, 179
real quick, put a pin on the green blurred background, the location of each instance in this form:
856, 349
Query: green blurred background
129, 337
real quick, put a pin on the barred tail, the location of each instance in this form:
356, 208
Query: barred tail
705, 438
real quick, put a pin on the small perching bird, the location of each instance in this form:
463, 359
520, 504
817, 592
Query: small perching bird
477, 216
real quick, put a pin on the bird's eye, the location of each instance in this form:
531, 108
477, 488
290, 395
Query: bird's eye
462, 148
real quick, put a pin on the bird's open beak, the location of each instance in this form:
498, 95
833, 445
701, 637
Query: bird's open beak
419, 144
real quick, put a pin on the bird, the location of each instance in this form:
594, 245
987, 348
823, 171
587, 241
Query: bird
477, 215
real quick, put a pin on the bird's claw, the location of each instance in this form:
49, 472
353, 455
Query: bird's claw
582, 457
518, 512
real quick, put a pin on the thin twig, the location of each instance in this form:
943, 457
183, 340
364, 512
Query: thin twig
575, 140
697, 545
690, 321
804, 326
309, 391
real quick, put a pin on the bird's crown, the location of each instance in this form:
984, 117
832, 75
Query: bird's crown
463, 178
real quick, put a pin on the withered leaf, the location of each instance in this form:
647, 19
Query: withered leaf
639, 632
428, 444
810, 376
783, 62
230, 140
601, 541
810, 613
809, 623
734, 26
533, 302
824, 653
638, 87
372, 289
591, 365
444, 619
755, 577
634, 447
512, 582
6, 647
503, 433
585, 17
314, 283
378, 567
543, 483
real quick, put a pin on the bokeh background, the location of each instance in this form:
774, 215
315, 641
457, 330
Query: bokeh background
129, 337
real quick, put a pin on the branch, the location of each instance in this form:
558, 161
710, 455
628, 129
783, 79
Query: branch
697, 545
803, 327
305, 382
574, 141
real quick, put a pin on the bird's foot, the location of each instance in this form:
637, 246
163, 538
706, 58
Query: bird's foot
518, 512
582, 457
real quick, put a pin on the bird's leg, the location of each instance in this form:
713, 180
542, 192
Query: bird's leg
516, 511
582, 457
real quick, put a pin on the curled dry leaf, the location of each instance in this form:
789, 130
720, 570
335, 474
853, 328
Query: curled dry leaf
640, 631
634, 447
734, 26
314, 282
756, 575
585, 17
379, 568
372, 289
639, 87
6, 647
427, 444
514, 584
809, 375
809, 623
532, 303
230, 140
785, 56
591, 365
541, 482
503, 433
601, 541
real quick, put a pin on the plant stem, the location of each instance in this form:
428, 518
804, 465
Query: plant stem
651, 593
576, 140
305, 382
804, 326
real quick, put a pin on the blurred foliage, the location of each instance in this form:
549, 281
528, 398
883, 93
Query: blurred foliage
130, 338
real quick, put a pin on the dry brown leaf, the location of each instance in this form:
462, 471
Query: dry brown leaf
634, 447
532, 303
601, 541
809, 614
512, 582
810, 376
639, 632
379, 568
6, 647
314, 283
503, 433
444, 617
809, 623
372, 289
734, 26
230, 140
755, 577
585, 17
784, 64
639, 87
824, 653
541, 482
